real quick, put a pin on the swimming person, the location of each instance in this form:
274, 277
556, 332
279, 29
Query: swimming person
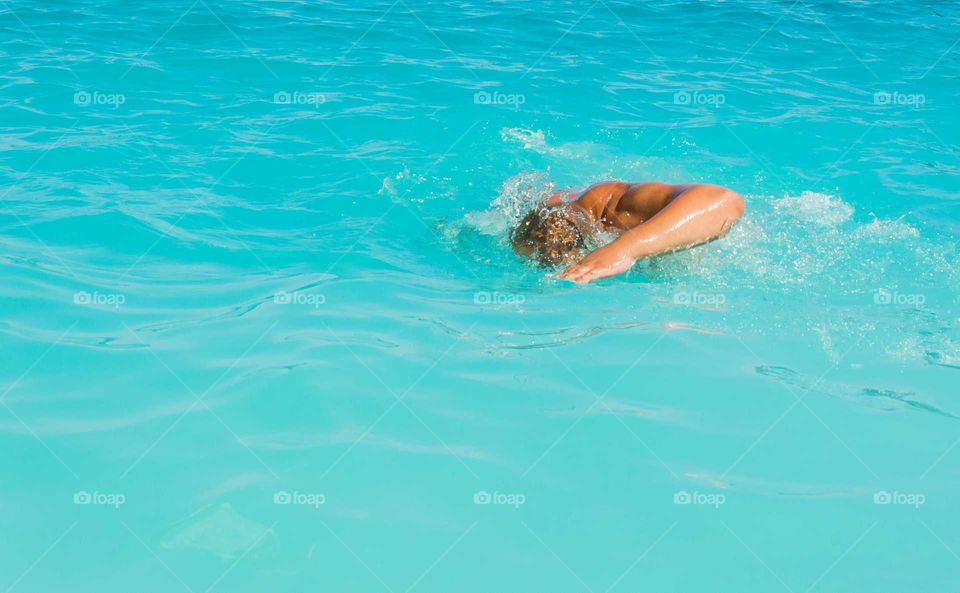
651, 218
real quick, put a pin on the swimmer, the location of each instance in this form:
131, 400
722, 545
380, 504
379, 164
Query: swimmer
651, 219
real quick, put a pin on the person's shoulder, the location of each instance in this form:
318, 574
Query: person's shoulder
595, 198
603, 191
653, 190
653, 186
604, 187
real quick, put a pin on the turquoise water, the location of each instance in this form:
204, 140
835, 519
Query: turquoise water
261, 331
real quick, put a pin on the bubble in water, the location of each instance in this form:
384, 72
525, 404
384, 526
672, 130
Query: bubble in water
521, 193
530, 139
816, 208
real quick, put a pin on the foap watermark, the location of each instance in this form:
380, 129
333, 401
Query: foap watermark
699, 98
882, 296
98, 99
912, 499
110, 499
99, 299
311, 499
299, 98
498, 298
514, 100
699, 498
515, 499
299, 298
699, 298
898, 99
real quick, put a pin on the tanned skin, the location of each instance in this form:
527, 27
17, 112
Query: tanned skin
654, 218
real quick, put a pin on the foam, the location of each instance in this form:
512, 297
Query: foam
816, 208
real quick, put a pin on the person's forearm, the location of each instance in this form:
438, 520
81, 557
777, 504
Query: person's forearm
700, 214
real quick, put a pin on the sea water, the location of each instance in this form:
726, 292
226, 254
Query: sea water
262, 329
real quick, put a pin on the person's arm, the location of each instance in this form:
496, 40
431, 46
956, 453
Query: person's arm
699, 214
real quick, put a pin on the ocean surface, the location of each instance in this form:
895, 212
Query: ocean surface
261, 329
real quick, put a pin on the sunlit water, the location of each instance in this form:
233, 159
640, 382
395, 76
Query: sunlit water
255, 254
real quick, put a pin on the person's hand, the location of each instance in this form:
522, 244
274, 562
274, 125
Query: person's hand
607, 261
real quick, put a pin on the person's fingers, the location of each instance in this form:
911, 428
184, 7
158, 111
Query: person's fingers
591, 275
587, 277
572, 273
580, 275
574, 270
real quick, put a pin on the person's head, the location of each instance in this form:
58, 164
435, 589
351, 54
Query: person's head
549, 235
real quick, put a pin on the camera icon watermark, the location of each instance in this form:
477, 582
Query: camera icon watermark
312, 499
515, 499
882, 296
711, 299
683, 497
913, 499
699, 99
112, 499
98, 99
99, 299
314, 99
299, 298
498, 298
497, 98
898, 99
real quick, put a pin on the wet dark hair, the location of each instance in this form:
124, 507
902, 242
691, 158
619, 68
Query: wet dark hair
547, 235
